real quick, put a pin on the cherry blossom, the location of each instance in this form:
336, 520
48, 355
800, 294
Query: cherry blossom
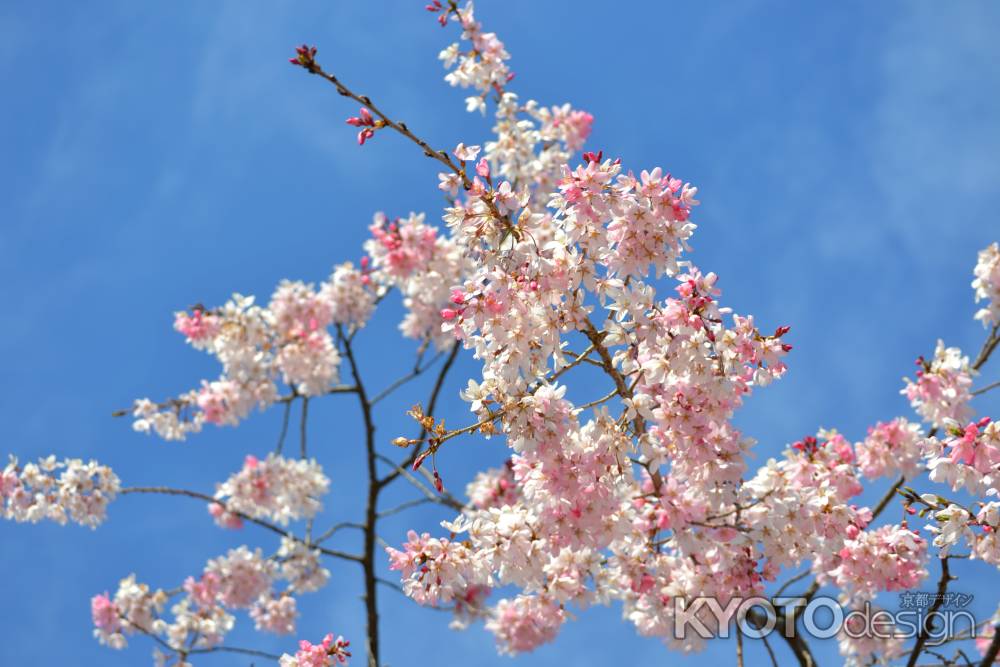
969, 457
525, 623
325, 654
277, 488
987, 284
891, 447
608, 374
275, 614
60, 491
890, 558
132, 609
942, 388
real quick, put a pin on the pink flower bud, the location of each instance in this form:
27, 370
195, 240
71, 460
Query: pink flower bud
483, 168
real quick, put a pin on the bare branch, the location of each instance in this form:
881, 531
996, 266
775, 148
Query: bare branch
165, 490
405, 506
417, 371
302, 427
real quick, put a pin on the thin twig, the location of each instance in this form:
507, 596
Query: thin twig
443, 499
234, 649
987, 348
284, 428
416, 372
405, 506
302, 426
330, 532
165, 490
985, 389
887, 498
798, 577
431, 404
770, 651
441, 156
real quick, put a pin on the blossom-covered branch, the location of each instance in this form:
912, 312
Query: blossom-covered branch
625, 479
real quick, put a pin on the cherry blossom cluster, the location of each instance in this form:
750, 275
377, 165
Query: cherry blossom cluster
483, 66
201, 616
942, 389
301, 567
525, 623
894, 447
412, 256
276, 488
133, 609
987, 285
985, 542
60, 491
493, 488
534, 142
328, 653
435, 569
890, 558
954, 524
969, 457
289, 340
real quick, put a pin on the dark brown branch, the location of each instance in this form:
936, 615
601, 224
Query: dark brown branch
784, 586
887, 498
987, 349
993, 650
925, 630
371, 508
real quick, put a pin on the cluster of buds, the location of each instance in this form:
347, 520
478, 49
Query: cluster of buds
367, 123
808, 445
305, 56
458, 300
435, 7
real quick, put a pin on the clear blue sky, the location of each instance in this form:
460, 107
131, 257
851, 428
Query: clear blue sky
160, 154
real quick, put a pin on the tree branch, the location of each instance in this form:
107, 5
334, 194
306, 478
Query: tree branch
371, 508
993, 650
165, 490
443, 157
925, 630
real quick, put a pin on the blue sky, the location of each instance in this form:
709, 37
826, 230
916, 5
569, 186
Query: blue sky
157, 155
